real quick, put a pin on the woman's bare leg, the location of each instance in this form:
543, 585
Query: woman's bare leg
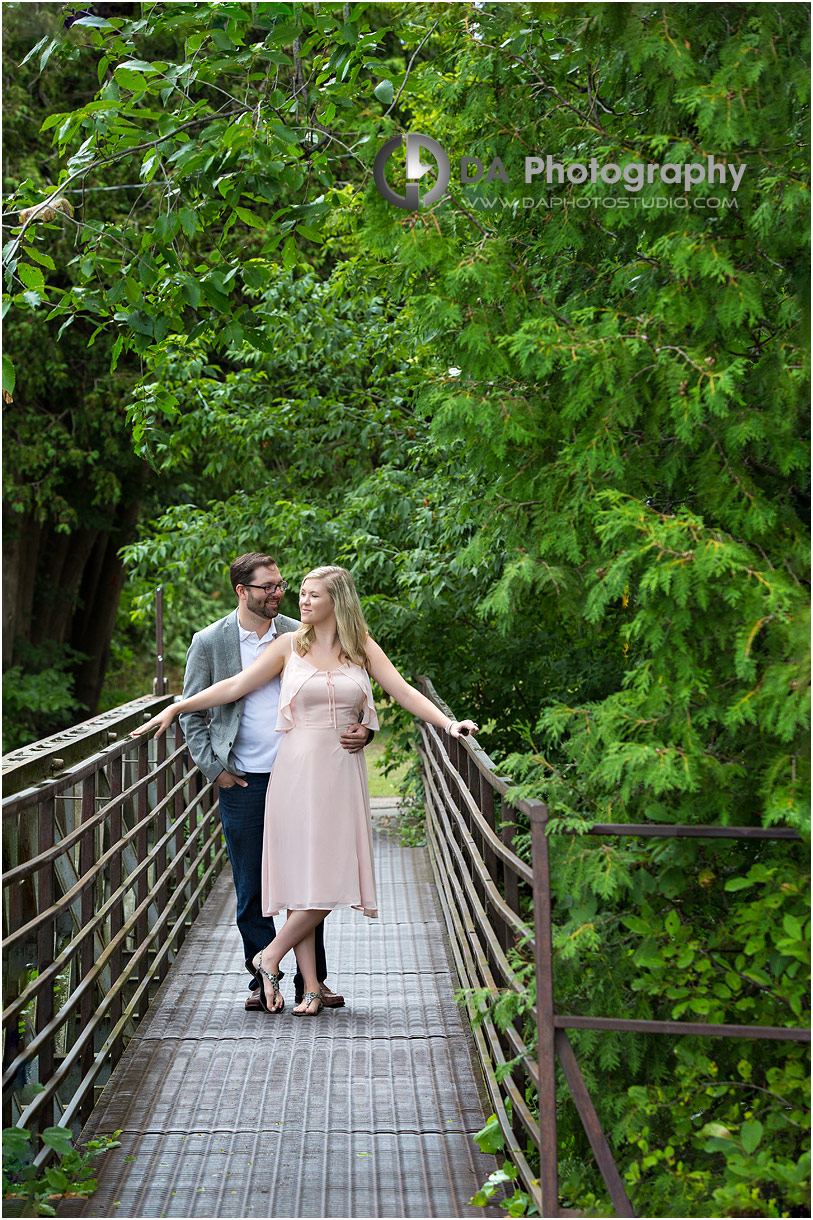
296, 927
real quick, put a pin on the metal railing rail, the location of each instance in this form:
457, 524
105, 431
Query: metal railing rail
483, 885
106, 864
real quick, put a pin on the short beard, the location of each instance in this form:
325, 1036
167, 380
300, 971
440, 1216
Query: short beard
260, 608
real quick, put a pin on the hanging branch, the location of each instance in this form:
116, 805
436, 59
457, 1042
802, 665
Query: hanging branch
409, 67
111, 159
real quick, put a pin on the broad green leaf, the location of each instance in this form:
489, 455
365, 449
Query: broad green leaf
99, 23
283, 34
275, 57
116, 352
285, 133
751, 1135
189, 221
738, 883
648, 954
671, 882
137, 65
129, 79
58, 1138
249, 218
32, 277
290, 254
259, 340
140, 322
384, 91
309, 232
57, 1180
216, 299
716, 1130
44, 260
148, 168
9, 375
490, 1138
222, 41
52, 120
636, 924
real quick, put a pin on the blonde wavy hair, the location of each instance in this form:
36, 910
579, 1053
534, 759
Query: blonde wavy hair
350, 622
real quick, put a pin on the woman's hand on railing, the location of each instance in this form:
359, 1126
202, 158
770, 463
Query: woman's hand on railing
461, 728
161, 722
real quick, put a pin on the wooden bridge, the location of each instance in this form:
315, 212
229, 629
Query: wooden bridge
125, 981
368, 1110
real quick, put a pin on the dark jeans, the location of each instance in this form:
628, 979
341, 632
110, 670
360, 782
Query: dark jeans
242, 814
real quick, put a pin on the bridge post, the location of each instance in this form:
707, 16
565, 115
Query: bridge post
546, 1053
160, 684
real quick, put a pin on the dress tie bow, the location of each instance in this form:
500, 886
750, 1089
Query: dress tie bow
331, 698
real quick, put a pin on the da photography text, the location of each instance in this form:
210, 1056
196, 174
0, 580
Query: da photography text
550, 170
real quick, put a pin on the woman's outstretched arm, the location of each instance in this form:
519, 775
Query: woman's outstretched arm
229, 690
388, 678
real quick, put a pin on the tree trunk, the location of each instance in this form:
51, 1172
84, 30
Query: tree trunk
21, 538
61, 564
94, 618
64, 588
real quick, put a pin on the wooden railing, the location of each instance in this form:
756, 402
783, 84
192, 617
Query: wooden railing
493, 901
107, 860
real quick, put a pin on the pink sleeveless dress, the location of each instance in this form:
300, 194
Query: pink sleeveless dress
318, 842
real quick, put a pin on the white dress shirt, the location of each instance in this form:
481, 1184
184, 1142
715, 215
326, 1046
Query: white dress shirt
257, 741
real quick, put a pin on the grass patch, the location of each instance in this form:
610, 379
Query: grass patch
381, 784
130, 678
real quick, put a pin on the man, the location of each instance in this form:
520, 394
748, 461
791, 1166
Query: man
235, 745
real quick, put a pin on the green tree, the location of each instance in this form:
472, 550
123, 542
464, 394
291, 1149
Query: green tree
73, 486
178, 258
632, 397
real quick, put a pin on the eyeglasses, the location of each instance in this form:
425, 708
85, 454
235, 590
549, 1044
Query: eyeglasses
281, 587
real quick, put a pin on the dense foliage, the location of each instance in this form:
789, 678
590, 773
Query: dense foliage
73, 487
558, 430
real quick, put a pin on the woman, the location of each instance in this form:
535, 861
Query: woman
317, 846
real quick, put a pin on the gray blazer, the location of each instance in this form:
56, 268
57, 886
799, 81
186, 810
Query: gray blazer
214, 654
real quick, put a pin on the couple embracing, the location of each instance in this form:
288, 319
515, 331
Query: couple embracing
276, 712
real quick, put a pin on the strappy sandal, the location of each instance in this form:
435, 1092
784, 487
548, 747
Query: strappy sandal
274, 980
307, 1000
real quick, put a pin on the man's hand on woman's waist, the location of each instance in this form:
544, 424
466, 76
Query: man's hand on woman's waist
355, 737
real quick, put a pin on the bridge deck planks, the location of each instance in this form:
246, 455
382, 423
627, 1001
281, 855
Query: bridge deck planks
365, 1111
